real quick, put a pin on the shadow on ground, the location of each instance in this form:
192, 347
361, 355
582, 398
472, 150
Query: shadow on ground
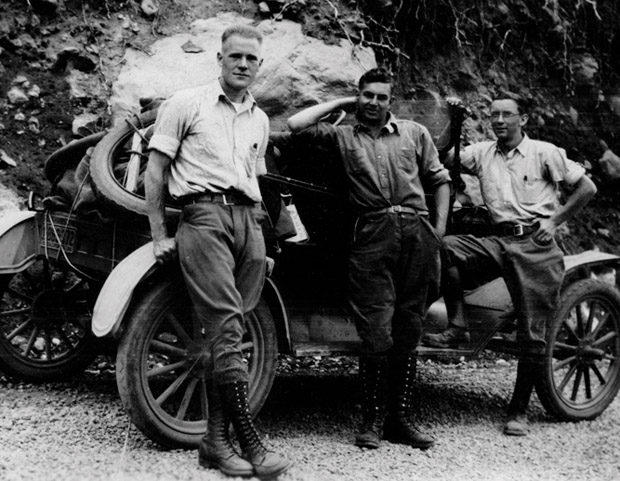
440, 398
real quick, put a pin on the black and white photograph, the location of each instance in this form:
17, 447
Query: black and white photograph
309, 240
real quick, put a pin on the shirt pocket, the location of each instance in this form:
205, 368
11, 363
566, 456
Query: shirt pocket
209, 137
357, 160
532, 191
252, 158
407, 160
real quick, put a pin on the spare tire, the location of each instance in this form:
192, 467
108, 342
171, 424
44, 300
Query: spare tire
113, 150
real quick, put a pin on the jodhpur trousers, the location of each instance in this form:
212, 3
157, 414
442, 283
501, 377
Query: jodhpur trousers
222, 256
533, 274
394, 273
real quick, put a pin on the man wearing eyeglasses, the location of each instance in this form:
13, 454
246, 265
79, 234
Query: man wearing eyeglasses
519, 181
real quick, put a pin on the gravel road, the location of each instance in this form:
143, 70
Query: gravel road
77, 430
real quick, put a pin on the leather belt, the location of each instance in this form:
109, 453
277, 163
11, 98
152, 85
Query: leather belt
514, 230
228, 198
394, 209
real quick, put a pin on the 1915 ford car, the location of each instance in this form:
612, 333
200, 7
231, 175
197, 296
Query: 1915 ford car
79, 272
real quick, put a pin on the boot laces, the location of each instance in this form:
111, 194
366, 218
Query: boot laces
248, 434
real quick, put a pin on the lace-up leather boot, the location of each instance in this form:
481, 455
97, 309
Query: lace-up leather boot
373, 377
216, 449
398, 427
267, 464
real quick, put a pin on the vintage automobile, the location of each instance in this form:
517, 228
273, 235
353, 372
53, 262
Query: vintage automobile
75, 280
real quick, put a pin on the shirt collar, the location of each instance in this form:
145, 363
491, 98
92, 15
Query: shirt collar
522, 148
391, 126
524, 145
215, 93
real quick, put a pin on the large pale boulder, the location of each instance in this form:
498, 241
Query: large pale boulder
297, 70
9, 201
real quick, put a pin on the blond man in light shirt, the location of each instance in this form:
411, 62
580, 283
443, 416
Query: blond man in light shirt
208, 149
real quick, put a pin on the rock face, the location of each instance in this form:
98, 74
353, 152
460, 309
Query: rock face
585, 69
297, 70
609, 164
9, 201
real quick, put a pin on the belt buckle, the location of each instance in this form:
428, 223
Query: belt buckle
397, 209
225, 200
518, 230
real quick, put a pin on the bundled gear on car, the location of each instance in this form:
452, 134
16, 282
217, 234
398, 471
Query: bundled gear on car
72, 189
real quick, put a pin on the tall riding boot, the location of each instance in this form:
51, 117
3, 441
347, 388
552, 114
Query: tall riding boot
267, 464
373, 377
398, 427
215, 449
528, 373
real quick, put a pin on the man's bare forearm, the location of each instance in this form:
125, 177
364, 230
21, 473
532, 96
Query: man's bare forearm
312, 115
583, 193
442, 204
154, 187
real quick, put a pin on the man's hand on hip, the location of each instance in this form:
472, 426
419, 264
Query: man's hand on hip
165, 249
546, 231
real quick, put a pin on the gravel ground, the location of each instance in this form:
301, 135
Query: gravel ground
77, 430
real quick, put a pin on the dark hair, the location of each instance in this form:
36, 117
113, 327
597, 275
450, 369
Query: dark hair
380, 74
245, 31
522, 104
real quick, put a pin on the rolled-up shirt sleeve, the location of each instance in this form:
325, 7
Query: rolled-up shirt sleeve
562, 169
467, 164
322, 131
170, 126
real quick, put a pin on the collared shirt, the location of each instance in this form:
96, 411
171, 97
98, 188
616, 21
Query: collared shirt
523, 184
215, 145
388, 170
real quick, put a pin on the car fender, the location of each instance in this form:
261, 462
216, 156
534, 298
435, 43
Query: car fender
117, 291
18, 241
590, 259
494, 294
276, 304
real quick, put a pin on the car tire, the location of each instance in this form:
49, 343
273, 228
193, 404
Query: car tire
112, 150
581, 374
161, 371
45, 315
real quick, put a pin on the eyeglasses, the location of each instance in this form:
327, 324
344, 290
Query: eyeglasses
504, 115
